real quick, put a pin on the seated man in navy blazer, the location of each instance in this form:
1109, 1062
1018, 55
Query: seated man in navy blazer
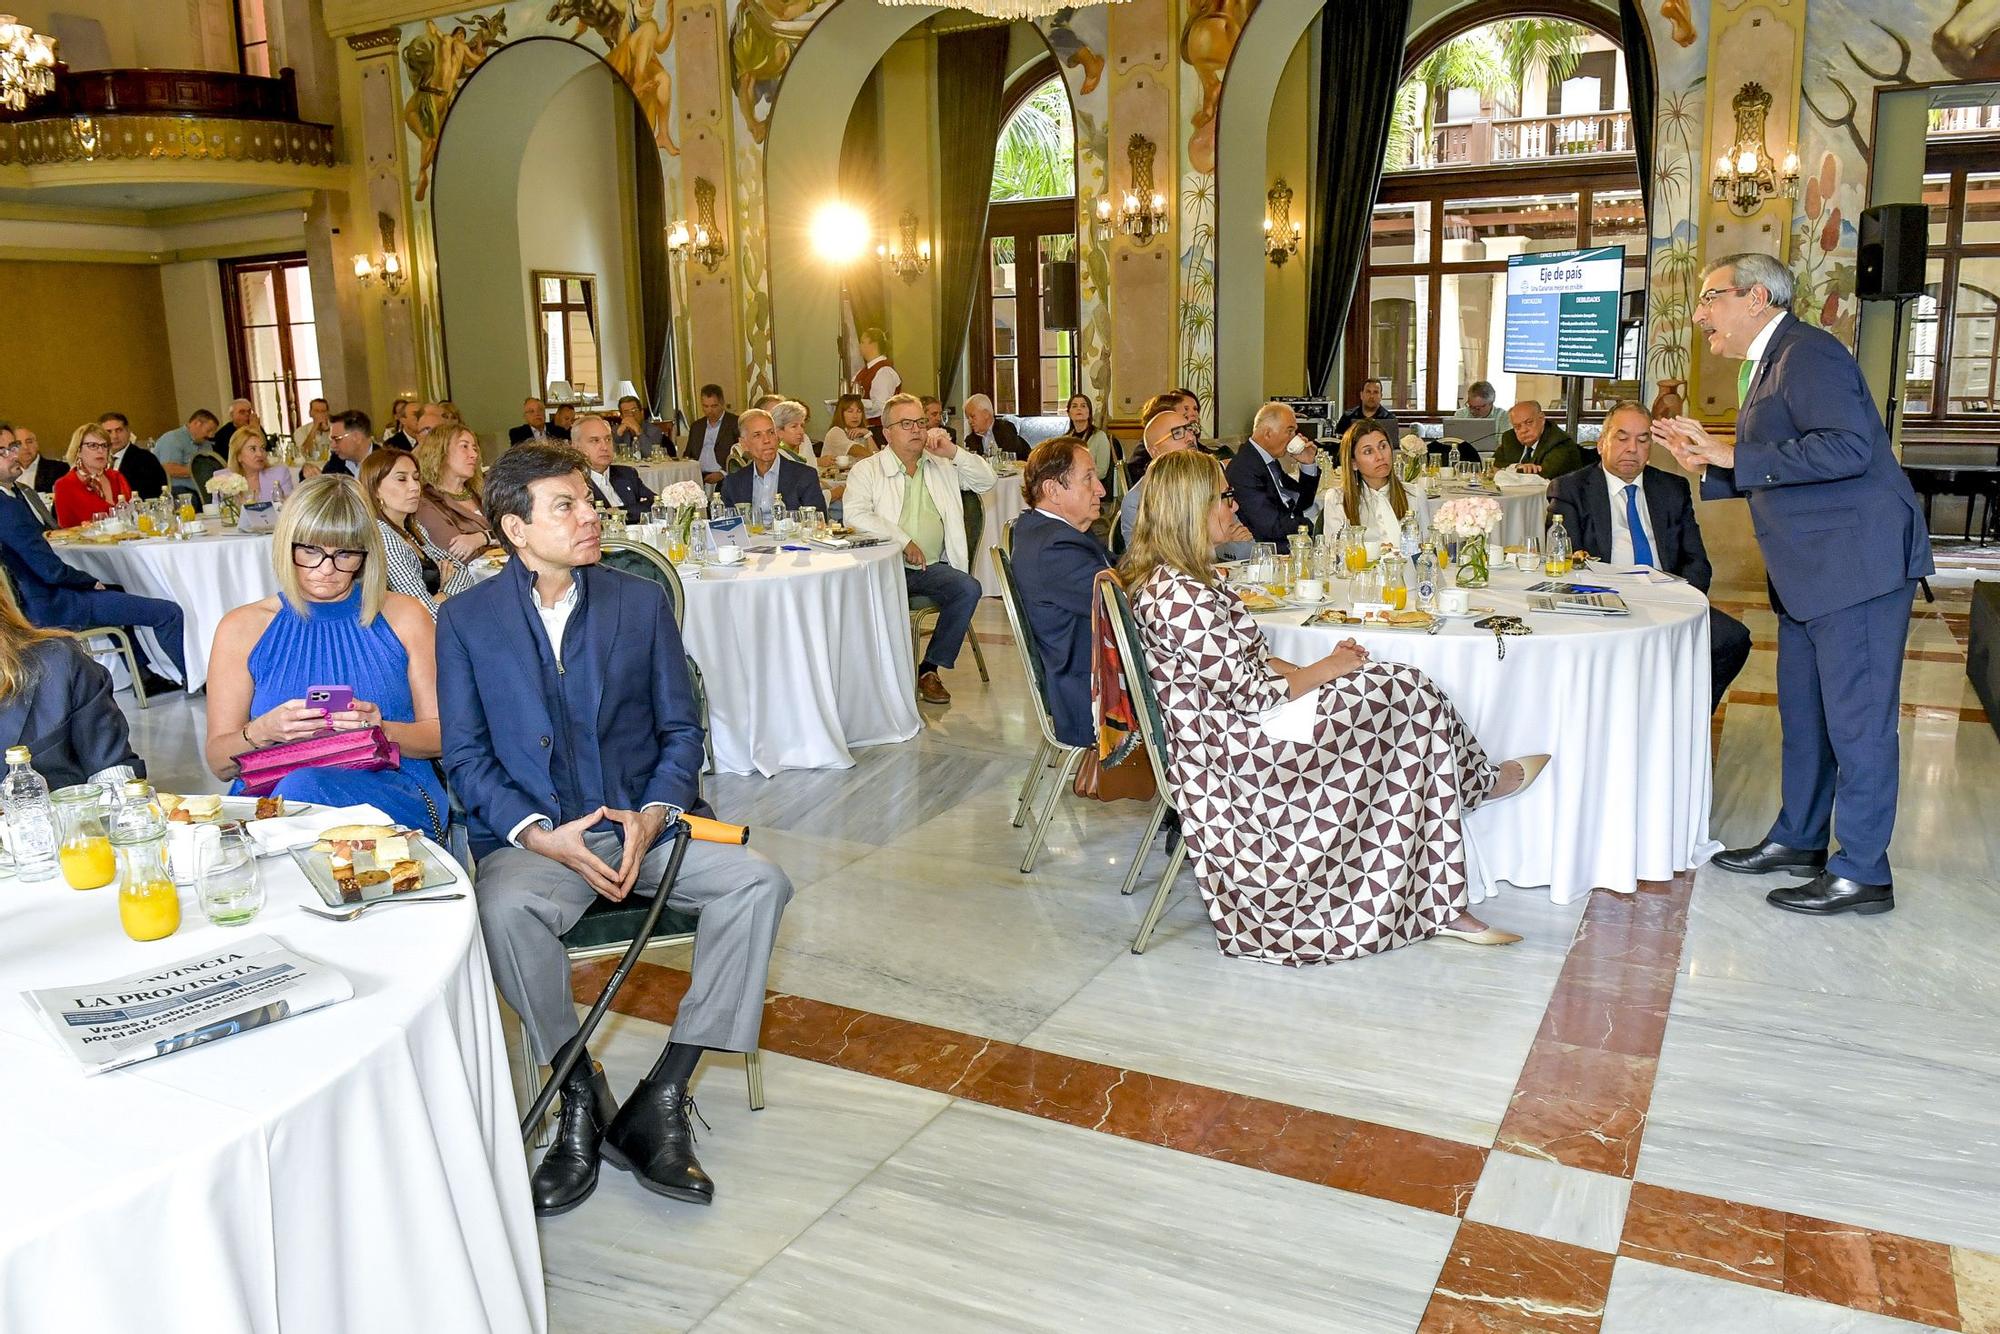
618, 485
55, 595
1272, 499
1056, 561
572, 740
768, 476
1629, 513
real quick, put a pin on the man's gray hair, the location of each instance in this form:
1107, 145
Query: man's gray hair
1628, 405
788, 411
1269, 415
743, 421
1754, 269
982, 400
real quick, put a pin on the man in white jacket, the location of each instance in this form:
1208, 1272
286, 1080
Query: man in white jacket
909, 493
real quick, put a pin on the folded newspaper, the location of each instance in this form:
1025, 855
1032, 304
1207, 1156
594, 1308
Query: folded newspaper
255, 982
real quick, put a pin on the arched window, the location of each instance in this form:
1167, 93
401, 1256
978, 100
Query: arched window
1024, 339
1036, 155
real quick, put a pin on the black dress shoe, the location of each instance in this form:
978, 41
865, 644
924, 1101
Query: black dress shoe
651, 1138
568, 1172
156, 684
1826, 895
1768, 857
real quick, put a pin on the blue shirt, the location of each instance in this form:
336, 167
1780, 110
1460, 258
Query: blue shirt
177, 446
763, 488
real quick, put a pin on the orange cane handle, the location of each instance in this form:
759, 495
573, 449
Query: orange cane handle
715, 831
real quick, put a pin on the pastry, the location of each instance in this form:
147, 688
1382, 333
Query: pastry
200, 808
361, 856
270, 808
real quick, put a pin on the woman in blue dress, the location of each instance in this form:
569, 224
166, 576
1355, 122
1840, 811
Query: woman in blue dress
335, 622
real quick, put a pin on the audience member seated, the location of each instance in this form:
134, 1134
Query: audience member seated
562, 422
934, 414
714, 435
132, 460
403, 415
1479, 399
57, 702
57, 596
636, 434
450, 513
176, 450
568, 806
1303, 853
241, 415
1056, 560
1371, 495
250, 458
1368, 409
1168, 431
789, 416
988, 434
1630, 513
314, 438
437, 414
1170, 401
414, 565
1534, 444
849, 435
1277, 491
769, 476
334, 622
351, 439
42, 470
617, 485
535, 427
1083, 425
928, 521
91, 487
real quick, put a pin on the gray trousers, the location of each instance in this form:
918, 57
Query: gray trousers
526, 901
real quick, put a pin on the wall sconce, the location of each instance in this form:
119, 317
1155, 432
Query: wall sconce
1102, 224
704, 243
1144, 212
911, 257
385, 268
1281, 234
1745, 176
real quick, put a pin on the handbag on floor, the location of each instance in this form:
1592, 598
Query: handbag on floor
367, 750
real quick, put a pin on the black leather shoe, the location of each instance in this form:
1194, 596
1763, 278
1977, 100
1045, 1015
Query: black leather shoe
1826, 895
1768, 857
568, 1172
652, 1138
156, 684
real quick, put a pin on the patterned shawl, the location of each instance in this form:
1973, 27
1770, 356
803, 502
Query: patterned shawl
1117, 712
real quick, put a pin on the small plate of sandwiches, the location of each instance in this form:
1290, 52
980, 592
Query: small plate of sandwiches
213, 808
1410, 619
358, 863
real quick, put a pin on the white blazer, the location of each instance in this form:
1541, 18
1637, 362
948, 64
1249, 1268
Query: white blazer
876, 487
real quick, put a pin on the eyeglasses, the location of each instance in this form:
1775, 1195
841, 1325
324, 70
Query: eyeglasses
1710, 294
906, 424
1185, 431
311, 558
13, 448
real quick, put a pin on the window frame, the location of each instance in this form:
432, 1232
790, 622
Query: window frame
565, 307
244, 46
230, 271
1957, 158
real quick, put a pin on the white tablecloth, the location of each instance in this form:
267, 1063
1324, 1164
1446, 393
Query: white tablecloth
659, 476
208, 577
1621, 704
355, 1168
805, 655
1521, 511
1005, 503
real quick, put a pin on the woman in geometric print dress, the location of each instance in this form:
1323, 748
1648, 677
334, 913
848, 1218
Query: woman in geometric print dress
1347, 844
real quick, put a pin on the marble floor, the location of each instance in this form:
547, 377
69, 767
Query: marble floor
1672, 1111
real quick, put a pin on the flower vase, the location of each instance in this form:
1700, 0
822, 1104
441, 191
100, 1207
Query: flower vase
679, 529
1473, 571
1411, 466
230, 509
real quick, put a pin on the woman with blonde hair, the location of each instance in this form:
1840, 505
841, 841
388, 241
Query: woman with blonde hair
1344, 843
57, 702
91, 487
334, 622
449, 511
414, 565
1371, 495
250, 458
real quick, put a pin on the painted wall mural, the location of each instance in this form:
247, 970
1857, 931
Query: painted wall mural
437, 64
1078, 37
635, 46
763, 35
1208, 40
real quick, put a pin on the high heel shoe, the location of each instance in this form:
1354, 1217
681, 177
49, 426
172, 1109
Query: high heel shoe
1531, 769
1492, 935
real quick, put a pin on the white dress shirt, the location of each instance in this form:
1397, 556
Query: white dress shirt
1378, 516
1621, 530
1757, 345
1307, 476
601, 483
554, 621
886, 384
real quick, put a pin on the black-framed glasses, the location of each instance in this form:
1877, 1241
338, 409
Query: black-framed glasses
1708, 295
1228, 494
1185, 431
905, 424
308, 557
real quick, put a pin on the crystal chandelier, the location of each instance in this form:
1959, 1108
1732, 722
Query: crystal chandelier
1007, 10
27, 63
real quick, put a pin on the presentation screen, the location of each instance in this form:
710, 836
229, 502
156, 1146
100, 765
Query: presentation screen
1562, 312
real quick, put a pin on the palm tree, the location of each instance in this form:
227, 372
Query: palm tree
1526, 44
1036, 155
1471, 60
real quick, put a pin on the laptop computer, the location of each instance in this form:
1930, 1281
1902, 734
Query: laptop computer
1482, 433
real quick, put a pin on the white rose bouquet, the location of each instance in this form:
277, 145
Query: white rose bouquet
1468, 516
681, 494
231, 484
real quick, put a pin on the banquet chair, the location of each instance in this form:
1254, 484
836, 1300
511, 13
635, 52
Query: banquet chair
923, 608
1153, 731
120, 640
647, 563
203, 466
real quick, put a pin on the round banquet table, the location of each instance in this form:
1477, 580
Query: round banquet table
1521, 510
1002, 505
207, 577
660, 475
805, 655
1620, 703
354, 1168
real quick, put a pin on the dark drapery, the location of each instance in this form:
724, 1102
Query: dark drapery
1360, 65
860, 187
1639, 73
656, 299
971, 85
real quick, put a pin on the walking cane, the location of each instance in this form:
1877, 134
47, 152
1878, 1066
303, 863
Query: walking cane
688, 827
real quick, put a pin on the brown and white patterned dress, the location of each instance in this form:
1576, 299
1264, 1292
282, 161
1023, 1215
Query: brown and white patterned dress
1307, 852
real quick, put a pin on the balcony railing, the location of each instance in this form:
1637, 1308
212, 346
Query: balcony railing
1482, 143
135, 114
1965, 120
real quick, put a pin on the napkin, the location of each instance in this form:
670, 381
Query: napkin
1510, 477
302, 831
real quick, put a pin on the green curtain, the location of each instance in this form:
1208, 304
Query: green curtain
971, 84
1644, 83
860, 186
656, 300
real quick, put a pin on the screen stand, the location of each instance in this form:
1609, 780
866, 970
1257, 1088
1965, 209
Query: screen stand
1573, 403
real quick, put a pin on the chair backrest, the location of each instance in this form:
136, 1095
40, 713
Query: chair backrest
975, 522
642, 560
1138, 683
1024, 639
203, 466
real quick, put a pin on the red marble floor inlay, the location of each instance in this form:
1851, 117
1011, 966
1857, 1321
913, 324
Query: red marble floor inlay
1496, 1282
1580, 1106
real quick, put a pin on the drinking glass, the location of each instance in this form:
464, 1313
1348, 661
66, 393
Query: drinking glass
83, 848
231, 892
1529, 557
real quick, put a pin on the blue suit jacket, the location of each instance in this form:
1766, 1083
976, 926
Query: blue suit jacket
1585, 504
798, 484
622, 664
66, 716
1835, 516
50, 591
1055, 565
1265, 511
632, 490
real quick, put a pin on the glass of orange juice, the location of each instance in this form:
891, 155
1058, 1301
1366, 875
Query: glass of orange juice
83, 849
149, 904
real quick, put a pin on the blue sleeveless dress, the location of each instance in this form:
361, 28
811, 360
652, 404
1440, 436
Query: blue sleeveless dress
329, 646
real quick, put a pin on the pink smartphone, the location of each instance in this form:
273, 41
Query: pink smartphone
331, 699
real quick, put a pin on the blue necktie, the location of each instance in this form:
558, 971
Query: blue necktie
1642, 550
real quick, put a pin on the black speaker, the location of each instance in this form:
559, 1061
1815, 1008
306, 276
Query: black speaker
1059, 302
1895, 239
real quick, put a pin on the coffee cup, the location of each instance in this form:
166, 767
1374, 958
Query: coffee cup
729, 555
1310, 590
1454, 601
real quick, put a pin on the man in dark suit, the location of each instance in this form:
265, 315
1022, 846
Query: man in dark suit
402, 432
1055, 559
714, 435
146, 474
573, 740
934, 414
535, 425
982, 427
769, 475
1535, 444
1272, 499
1630, 514
1844, 542
41, 471
616, 484
57, 596
1368, 409
352, 438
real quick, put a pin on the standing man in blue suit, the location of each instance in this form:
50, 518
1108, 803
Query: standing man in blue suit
1844, 543
1056, 563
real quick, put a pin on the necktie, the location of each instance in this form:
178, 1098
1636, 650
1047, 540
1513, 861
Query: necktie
1744, 374
35, 506
1642, 550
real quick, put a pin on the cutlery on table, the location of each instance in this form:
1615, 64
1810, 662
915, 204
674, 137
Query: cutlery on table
349, 914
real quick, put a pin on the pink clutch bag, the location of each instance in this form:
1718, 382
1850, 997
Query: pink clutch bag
367, 749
